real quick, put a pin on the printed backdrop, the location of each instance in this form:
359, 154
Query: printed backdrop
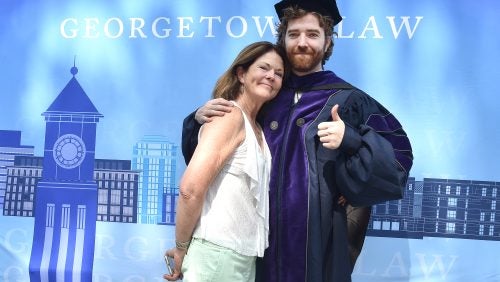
145, 65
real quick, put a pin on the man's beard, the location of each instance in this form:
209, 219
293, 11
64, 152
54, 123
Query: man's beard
305, 61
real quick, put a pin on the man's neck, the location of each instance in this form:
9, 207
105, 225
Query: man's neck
298, 73
303, 73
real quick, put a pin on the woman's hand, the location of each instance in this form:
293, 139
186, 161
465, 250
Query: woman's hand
178, 256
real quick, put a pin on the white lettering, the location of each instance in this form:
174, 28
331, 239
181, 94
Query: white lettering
371, 25
16, 241
404, 22
438, 262
163, 244
210, 25
360, 264
103, 246
135, 278
90, 26
183, 26
269, 23
235, 27
166, 31
134, 28
243, 29
398, 263
13, 273
97, 277
135, 247
73, 31
120, 28
446, 142
340, 29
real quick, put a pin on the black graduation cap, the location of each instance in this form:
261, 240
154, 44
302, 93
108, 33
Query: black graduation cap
323, 7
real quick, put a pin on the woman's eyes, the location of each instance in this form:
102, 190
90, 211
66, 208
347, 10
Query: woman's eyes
267, 68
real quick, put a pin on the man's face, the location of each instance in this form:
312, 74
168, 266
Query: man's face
305, 44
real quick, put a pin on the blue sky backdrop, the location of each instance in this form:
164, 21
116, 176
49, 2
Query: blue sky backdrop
439, 77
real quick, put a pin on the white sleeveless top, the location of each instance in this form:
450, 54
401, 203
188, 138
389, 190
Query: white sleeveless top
235, 212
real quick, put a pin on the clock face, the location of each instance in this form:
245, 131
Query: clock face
69, 151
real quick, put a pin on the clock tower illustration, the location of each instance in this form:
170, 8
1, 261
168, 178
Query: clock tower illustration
66, 196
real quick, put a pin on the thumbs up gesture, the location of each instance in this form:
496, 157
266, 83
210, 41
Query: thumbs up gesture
331, 133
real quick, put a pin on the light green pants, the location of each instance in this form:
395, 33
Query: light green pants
207, 262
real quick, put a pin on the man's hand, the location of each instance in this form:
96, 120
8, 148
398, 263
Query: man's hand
214, 107
331, 133
342, 201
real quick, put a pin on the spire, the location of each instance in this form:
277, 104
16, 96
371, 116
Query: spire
74, 69
73, 99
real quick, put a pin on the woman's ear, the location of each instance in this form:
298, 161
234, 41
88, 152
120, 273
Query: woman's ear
240, 72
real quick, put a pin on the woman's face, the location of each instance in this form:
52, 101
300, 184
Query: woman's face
264, 77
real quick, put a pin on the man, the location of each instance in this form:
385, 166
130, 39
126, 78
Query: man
324, 154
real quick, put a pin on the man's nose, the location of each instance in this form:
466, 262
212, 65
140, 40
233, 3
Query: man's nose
302, 40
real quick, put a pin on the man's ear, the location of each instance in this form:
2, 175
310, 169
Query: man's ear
328, 42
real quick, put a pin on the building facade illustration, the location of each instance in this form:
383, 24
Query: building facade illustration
117, 191
461, 209
446, 208
66, 195
22, 179
116, 186
155, 157
10, 146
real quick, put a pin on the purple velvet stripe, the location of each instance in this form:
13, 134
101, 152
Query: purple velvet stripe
404, 160
399, 142
389, 127
387, 123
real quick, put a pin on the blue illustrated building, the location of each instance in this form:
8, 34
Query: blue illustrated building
10, 146
66, 195
156, 158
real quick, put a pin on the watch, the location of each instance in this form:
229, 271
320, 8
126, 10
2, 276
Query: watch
69, 151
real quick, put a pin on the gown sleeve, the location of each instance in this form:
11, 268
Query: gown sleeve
190, 129
375, 153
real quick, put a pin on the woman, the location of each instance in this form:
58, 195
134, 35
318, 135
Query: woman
223, 206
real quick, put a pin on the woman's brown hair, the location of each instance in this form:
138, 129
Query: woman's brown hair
228, 86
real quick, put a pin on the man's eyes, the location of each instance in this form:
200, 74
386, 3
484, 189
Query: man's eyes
310, 35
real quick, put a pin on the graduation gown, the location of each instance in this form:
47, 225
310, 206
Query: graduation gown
308, 230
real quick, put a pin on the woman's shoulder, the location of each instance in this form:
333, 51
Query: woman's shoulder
230, 124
